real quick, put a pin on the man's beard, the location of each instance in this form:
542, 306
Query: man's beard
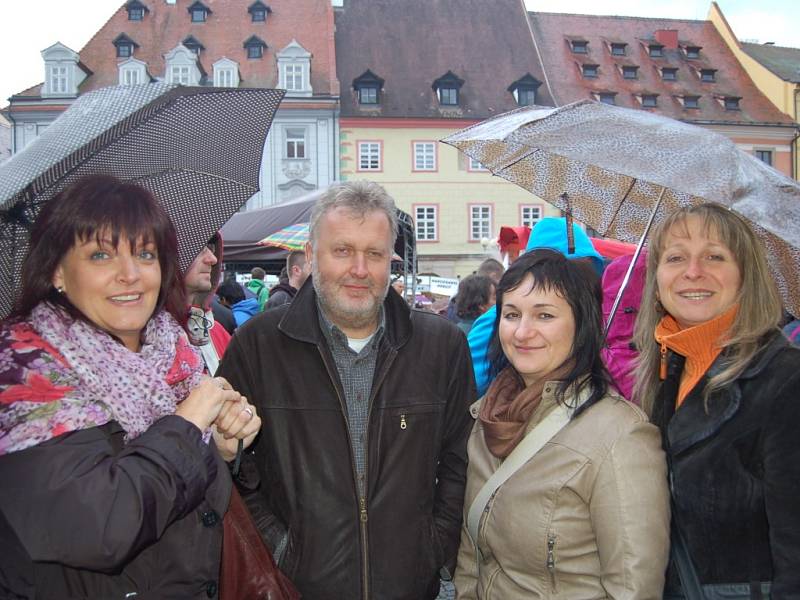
338, 311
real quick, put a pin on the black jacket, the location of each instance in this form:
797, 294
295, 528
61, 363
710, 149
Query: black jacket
86, 516
392, 543
736, 471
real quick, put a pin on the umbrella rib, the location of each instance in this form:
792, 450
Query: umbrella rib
620, 203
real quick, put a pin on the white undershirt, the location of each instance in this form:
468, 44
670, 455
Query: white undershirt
357, 345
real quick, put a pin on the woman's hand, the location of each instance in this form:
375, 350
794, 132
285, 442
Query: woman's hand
236, 421
205, 402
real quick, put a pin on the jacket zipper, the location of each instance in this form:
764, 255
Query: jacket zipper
363, 515
363, 500
551, 559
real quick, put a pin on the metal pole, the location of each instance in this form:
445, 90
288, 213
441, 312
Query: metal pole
636, 254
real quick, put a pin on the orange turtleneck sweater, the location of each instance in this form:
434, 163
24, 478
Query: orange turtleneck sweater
700, 345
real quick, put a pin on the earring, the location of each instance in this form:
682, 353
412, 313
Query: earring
60, 289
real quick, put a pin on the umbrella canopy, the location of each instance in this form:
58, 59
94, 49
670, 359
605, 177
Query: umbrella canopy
197, 149
612, 248
293, 237
609, 166
517, 236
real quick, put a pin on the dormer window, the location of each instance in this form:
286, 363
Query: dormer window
254, 46
708, 75
199, 12
258, 12
181, 66
630, 72
63, 71
124, 46
692, 51
133, 72
226, 73
607, 98
589, 71
655, 50
669, 74
580, 46
618, 49
691, 102
731, 103
193, 44
447, 88
294, 70
136, 10
368, 88
524, 90
649, 100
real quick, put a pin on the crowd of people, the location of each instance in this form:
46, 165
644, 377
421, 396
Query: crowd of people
511, 445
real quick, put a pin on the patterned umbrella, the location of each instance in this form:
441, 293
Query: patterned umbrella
197, 149
615, 169
293, 237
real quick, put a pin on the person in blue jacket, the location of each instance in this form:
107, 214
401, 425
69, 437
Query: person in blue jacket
550, 232
231, 294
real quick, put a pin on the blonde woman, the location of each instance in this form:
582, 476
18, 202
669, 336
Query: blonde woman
722, 383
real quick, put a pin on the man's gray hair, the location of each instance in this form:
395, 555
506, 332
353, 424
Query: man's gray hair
358, 197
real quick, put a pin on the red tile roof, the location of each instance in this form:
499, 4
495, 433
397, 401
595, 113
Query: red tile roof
554, 31
412, 43
229, 25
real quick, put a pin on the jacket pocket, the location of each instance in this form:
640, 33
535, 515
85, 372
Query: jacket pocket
551, 560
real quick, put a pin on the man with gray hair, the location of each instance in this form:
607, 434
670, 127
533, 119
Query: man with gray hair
360, 467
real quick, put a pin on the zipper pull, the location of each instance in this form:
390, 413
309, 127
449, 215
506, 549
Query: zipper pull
363, 511
551, 557
403, 424
662, 372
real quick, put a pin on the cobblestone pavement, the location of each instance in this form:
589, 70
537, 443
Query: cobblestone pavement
446, 591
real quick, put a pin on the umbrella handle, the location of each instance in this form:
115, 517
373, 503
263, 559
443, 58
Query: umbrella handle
568, 221
636, 254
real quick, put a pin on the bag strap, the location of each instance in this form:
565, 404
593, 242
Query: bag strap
525, 450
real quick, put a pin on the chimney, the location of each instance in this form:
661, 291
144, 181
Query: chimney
667, 38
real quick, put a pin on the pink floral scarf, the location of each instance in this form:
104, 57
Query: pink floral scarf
58, 374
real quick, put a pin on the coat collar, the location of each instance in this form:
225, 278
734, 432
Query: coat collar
691, 424
301, 320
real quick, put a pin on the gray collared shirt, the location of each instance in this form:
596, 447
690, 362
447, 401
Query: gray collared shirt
356, 372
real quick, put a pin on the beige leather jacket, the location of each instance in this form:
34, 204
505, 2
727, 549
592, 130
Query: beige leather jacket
587, 517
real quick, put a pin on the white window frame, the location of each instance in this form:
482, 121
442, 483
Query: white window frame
130, 77
425, 156
476, 166
226, 73
59, 79
293, 77
295, 142
426, 222
179, 74
480, 222
369, 156
181, 66
529, 220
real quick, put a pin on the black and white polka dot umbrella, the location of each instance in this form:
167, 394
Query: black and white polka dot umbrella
197, 149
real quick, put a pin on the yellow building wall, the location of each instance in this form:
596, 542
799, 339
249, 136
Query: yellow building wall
782, 94
452, 187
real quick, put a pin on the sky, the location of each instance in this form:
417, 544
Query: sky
29, 26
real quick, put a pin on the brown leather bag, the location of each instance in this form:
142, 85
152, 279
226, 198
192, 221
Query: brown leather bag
247, 569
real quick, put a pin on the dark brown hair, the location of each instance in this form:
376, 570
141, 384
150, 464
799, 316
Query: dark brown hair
91, 206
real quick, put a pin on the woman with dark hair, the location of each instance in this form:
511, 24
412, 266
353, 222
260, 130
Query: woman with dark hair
111, 439
475, 296
566, 493
721, 381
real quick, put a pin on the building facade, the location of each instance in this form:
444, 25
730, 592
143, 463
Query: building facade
285, 44
682, 69
774, 69
405, 86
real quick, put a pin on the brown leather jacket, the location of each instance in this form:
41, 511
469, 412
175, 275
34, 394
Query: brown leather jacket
586, 517
391, 543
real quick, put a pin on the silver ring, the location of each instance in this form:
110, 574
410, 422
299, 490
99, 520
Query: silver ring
249, 411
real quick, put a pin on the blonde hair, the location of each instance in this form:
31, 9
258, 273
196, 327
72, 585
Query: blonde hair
759, 311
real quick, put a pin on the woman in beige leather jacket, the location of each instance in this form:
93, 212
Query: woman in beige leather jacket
580, 508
